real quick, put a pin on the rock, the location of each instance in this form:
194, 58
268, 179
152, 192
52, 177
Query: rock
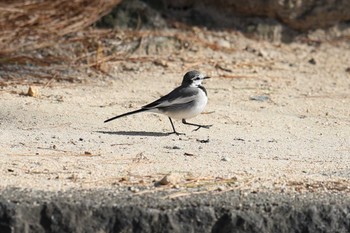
171, 178
33, 92
312, 61
115, 210
260, 98
299, 15
225, 159
134, 189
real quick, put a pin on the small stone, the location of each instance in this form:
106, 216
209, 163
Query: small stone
220, 188
225, 159
188, 154
172, 147
161, 63
122, 179
171, 178
134, 189
312, 61
203, 140
33, 92
73, 177
223, 43
239, 139
260, 98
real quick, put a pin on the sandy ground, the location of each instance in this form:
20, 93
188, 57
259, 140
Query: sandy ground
280, 115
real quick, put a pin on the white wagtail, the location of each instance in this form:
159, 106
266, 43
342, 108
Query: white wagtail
184, 102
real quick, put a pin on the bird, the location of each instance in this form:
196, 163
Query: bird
184, 102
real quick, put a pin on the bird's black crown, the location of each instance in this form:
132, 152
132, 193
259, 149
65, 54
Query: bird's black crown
189, 76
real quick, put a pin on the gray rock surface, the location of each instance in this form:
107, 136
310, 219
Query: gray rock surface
123, 211
270, 20
297, 14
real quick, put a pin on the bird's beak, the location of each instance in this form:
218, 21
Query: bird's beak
206, 77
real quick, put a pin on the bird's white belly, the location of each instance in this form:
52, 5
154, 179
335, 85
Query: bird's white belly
187, 113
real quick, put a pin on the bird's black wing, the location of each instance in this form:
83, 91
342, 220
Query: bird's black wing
179, 95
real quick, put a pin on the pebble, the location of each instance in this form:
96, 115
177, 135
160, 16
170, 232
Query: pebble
260, 98
134, 189
33, 92
223, 43
225, 159
220, 188
171, 178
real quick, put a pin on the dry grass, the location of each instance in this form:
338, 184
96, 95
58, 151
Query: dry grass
29, 25
50, 40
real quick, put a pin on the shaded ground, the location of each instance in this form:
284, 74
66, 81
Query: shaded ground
124, 211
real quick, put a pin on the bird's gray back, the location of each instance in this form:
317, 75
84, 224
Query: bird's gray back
179, 95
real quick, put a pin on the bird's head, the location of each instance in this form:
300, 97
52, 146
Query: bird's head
193, 78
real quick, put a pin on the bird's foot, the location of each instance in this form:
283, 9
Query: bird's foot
202, 126
177, 133
199, 126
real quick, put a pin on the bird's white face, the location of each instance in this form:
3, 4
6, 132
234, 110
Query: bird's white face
197, 80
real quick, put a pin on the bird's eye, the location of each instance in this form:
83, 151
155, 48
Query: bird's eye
196, 78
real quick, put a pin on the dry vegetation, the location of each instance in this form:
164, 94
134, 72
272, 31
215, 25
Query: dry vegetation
29, 25
43, 41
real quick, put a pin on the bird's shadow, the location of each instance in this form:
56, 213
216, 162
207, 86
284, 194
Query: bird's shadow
135, 133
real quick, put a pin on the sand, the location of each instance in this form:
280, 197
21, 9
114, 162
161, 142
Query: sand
280, 115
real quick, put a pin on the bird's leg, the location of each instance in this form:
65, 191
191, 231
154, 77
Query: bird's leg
199, 126
174, 131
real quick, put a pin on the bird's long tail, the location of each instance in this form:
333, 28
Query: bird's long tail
126, 114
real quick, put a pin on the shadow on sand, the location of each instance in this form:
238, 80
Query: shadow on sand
135, 133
